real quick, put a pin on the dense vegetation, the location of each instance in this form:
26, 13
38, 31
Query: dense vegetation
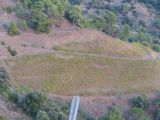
125, 21
121, 20
41, 15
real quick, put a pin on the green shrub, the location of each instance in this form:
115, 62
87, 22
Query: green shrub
11, 51
124, 35
74, 2
41, 115
23, 25
140, 102
3, 117
40, 23
12, 29
113, 114
20, 12
75, 16
9, 9
56, 110
106, 22
4, 81
137, 114
157, 114
33, 102
156, 47
156, 102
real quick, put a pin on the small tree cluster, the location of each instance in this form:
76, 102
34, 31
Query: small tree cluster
12, 29
140, 102
113, 114
33, 103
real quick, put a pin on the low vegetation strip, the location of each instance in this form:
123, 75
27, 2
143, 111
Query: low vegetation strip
68, 74
109, 47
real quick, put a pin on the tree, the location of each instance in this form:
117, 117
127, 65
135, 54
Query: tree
113, 114
141, 37
125, 33
137, 114
157, 114
40, 22
12, 29
75, 16
110, 20
3, 117
42, 115
99, 22
140, 102
106, 22
74, 2
33, 102
156, 47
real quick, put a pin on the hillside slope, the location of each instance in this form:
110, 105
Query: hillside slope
71, 74
70, 39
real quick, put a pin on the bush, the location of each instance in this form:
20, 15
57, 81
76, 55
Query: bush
12, 29
23, 25
157, 114
113, 114
4, 82
106, 22
74, 2
11, 51
137, 114
3, 117
75, 16
33, 102
41, 115
40, 22
140, 102
156, 47
56, 110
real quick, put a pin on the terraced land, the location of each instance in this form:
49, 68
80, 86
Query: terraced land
70, 74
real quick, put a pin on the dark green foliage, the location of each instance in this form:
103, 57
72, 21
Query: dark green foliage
75, 16
157, 114
156, 102
3, 117
20, 12
9, 9
33, 103
74, 2
4, 82
84, 116
12, 29
156, 47
140, 102
42, 12
124, 8
137, 114
11, 51
154, 3
142, 37
113, 114
5, 86
125, 33
40, 22
106, 22
41, 115
56, 110
23, 25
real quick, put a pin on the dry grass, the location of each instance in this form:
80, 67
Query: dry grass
110, 47
83, 75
